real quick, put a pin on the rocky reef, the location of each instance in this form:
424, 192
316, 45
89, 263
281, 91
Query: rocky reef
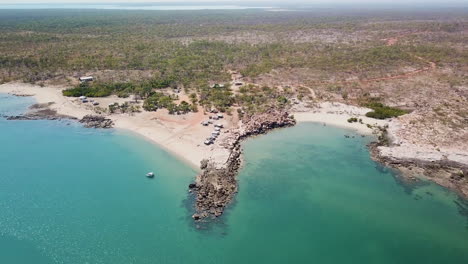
44, 112
40, 112
445, 172
216, 186
94, 121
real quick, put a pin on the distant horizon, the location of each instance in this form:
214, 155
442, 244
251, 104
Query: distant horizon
226, 4
241, 2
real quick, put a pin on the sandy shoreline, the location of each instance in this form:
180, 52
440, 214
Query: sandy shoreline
337, 114
183, 135
438, 164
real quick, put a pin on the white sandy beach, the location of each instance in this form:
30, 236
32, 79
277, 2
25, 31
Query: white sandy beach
337, 114
180, 135
184, 135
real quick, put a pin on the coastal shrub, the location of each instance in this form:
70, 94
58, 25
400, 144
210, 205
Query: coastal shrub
155, 101
124, 108
161, 83
184, 107
282, 100
383, 112
257, 99
352, 120
96, 90
73, 92
171, 107
121, 89
113, 107
123, 94
159, 100
193, 98
220, 98
240, 112
90, 92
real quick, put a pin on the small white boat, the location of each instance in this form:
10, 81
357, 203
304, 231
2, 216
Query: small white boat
150, 174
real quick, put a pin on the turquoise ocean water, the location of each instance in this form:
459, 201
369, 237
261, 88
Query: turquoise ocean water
307, 195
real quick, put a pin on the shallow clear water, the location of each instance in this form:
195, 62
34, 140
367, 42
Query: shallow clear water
307, 194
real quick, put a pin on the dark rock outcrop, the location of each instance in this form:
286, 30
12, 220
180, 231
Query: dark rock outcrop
447, 173
261, 123
91, 121
41, 114
41, 106
215, 187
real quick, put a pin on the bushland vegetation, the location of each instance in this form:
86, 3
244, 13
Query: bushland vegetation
382, 111
38, 45
190, 49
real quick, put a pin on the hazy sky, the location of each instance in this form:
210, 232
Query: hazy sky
234, 1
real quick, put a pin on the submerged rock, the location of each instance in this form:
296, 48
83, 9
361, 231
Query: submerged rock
41, 114
444, 172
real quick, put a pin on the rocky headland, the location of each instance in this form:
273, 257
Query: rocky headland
216, 185
446, 172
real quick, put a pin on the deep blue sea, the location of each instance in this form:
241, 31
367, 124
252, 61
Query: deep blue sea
307, 195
